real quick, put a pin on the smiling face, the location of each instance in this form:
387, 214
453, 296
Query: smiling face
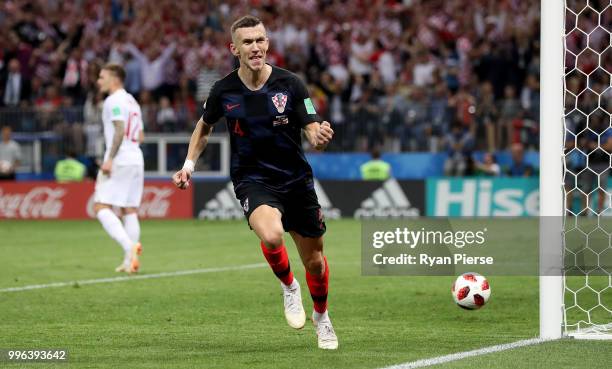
250, 45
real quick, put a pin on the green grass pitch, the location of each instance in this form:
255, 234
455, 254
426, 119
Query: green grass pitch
233, 319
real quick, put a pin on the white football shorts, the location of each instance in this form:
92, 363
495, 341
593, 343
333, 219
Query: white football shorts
123, 188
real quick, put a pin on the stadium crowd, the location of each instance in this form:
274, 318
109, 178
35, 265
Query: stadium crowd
409, 75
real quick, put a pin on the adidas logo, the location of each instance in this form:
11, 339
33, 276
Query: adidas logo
329, 212
226, 206
389, 201
223, 206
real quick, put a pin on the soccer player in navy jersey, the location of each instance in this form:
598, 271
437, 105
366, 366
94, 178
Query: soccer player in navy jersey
266, 109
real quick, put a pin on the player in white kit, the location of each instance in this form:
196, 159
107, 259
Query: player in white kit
120, 180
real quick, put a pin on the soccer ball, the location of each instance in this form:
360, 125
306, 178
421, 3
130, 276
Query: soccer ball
471, 291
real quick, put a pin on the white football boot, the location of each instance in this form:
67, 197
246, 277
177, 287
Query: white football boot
294, 310
131, 263
123, 267
134, 261
326, 336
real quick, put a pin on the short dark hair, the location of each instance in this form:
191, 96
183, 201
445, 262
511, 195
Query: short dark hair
245, 22
116, 70
70, 153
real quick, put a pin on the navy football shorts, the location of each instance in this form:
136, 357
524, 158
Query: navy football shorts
300, 209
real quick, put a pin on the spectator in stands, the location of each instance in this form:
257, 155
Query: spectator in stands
209, 74
51, 101
69, 169
439, 114
416, 118
166, 116
524, 130
14, 85
185, 105
152, 64
43, 59
75, 76
392, 117
519, 168
509, 109
47, 106
386, 63
38, 91
148, 107
488, 167
92, 116
530, 97
459, 145
375, 169
487, 117
10, 155
335, 90
133, 75
364, 46
365, 116
423, 70
463, 106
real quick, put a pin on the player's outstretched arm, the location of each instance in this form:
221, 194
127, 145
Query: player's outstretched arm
197, 144
319, 134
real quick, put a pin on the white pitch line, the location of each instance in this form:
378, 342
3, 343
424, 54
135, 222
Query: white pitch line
462, 355
133, 278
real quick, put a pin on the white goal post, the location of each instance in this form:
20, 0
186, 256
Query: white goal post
575, 121
551, 166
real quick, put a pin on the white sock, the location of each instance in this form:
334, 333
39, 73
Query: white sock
132, 226
320, 316
295, 284
112, 225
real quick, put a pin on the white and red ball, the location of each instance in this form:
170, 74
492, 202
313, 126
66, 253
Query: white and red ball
471, 291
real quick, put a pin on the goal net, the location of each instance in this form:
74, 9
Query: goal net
587, 228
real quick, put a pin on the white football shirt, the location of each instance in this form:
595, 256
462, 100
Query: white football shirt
121, 106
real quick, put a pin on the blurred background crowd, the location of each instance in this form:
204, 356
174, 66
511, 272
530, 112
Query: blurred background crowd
400, 75
395, 76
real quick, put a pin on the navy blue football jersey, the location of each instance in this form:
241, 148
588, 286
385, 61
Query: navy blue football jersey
265, 128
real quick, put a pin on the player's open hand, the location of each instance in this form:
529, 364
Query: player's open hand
324, 135
182, 178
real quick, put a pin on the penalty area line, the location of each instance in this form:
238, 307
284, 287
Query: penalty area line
134, 277
462, 355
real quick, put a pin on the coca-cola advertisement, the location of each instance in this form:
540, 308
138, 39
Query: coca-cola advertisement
50, 200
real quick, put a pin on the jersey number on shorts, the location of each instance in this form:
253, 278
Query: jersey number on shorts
134, 126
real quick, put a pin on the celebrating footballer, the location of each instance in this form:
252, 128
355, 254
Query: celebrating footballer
267, 109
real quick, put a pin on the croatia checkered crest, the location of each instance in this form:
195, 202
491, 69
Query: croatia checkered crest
280, 101
471, 291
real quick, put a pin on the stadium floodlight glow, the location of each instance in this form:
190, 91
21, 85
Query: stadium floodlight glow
577, 302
